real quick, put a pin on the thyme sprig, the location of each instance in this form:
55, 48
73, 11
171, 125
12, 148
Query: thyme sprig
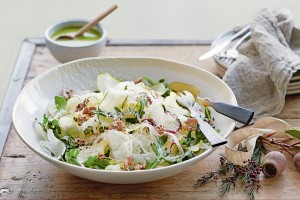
223, 170
233, 175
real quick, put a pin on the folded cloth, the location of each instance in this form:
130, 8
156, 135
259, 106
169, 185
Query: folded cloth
260, 75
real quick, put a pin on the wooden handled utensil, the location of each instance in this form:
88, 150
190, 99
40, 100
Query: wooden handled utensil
89, 25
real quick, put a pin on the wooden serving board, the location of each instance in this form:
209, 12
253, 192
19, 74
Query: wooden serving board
24, 175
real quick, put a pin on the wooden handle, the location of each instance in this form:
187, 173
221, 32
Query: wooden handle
95, 21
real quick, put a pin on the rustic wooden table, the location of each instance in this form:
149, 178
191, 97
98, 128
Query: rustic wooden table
23, 174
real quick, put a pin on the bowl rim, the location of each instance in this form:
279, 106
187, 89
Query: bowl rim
52, 26
54, 160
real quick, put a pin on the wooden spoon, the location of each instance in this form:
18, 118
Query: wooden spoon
239, 114
89, 25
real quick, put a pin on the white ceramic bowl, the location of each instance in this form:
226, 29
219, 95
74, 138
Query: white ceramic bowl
64, 52
82, 74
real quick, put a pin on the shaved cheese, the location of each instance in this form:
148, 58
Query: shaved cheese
95, 150
113, 98
92, 122
53, 145
106, 81
175, 140
172, 106
167, 120
156, 112
72, 103
70, 127
113, 167
146, 128
52, 108
159, 88
40, 130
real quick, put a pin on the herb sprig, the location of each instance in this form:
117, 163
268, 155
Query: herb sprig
247, 175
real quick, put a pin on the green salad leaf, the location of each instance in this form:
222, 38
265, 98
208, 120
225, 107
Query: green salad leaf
150, 81
158, 150
207, 113
51, 124
142, 104
71, 156
118, 110
60, 102
190, 141
166, 85
100, 112
96, 163
69, 142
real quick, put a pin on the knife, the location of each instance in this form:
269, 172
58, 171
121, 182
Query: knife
220, 47
212, 136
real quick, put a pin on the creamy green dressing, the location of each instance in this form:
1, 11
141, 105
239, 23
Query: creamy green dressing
88, 37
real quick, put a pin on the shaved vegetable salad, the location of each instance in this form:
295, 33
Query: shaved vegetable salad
126, 125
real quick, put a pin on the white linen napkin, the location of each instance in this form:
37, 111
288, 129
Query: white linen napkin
260, 75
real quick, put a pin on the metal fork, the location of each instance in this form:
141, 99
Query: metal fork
186, 100
232, 53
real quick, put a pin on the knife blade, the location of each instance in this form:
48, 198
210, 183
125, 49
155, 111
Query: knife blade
220, 47
212, 136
